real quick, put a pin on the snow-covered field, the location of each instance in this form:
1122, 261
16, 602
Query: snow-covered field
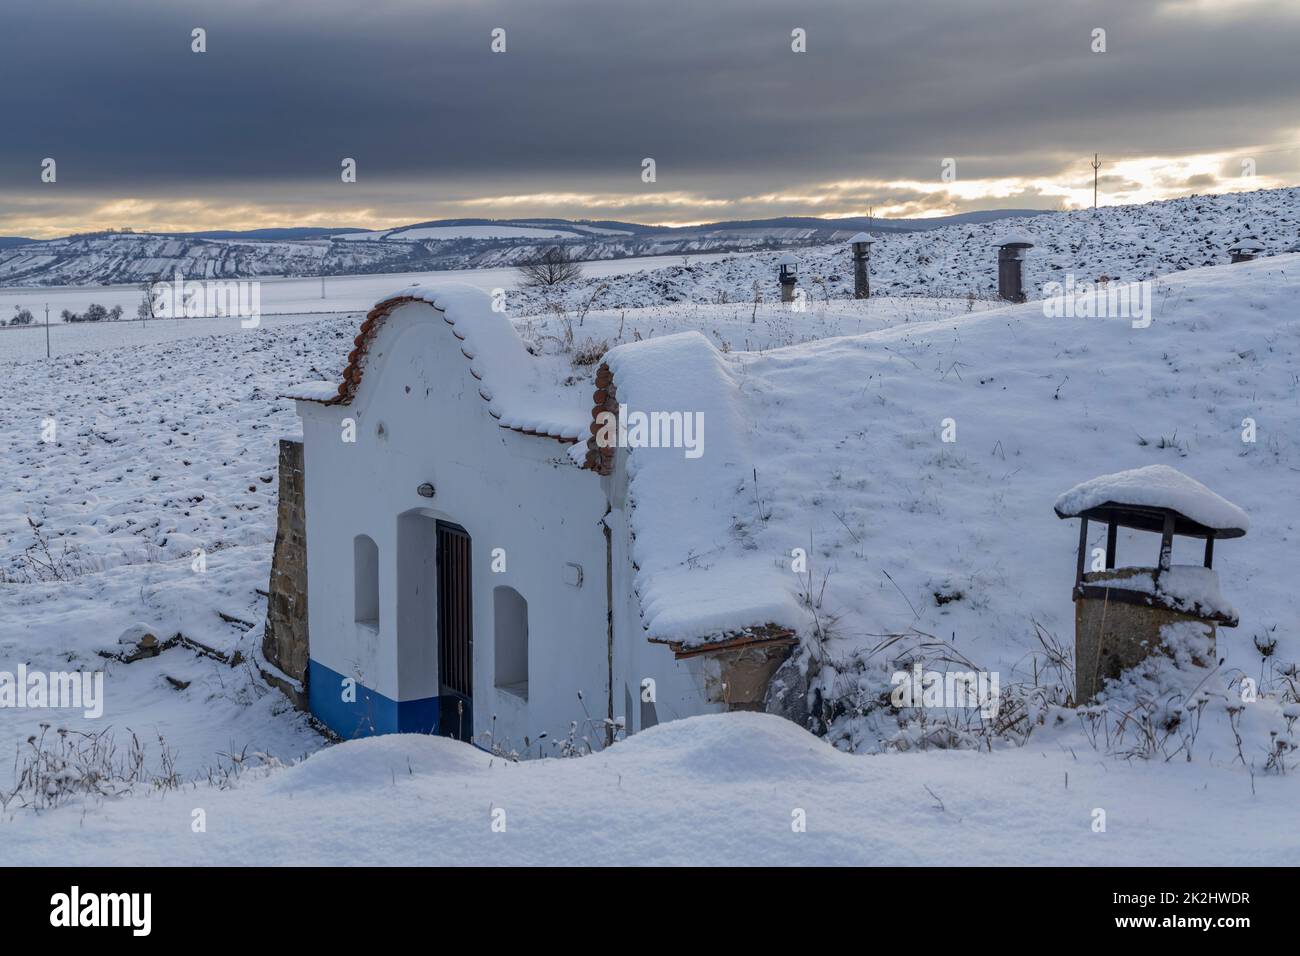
279, 297
920, 548
712, 791
65, 339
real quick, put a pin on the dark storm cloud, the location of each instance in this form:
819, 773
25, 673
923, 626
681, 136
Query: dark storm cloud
588, 88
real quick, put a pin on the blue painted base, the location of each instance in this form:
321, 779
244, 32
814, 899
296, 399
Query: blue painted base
370, 713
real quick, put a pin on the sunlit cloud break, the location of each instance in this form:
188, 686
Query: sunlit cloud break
1123, 181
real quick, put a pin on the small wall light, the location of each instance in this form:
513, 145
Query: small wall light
425, 490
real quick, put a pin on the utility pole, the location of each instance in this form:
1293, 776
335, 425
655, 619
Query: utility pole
1096, 165
322, 285
47, 330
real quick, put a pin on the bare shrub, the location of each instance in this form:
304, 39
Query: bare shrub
590, 352
600, 289
50, 772
39, 563
551, 267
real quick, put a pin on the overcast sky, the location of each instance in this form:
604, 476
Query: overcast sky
148, 134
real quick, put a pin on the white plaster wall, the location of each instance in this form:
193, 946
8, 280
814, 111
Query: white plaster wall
506, 490
679, 685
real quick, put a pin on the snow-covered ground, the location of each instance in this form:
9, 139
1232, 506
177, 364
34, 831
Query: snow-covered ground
920, 549
1124, 243
279, 297
713, 791
153, 451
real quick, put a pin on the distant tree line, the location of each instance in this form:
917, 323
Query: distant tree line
21, 317
94, 313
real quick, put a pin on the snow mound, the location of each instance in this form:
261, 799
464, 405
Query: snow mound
1155, 486
373, 762
740, 746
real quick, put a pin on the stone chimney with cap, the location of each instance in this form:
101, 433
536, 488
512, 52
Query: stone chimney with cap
1245, 248
1011, 256
1121, 614
788, 275
861, 259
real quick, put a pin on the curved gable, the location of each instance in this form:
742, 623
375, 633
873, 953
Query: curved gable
509, 379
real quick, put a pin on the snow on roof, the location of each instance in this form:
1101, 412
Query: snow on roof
682, 508
511, 381
861, 237
312, 391
1013, 239
787, 260
1248, 242
1155, 486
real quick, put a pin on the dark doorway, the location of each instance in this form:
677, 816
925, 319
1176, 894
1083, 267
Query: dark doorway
455, 633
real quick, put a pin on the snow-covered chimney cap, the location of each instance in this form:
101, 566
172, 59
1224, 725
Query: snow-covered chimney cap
1247, 244
787, 260
1016, 240
861, 237
1138, 498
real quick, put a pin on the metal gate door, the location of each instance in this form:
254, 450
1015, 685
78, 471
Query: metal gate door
455, 633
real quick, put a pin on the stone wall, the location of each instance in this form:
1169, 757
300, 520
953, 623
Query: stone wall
1112, 636
284, 643
739, 678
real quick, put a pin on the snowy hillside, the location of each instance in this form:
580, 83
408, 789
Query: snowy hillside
912, 257
1121, 242
941, 549
128, 258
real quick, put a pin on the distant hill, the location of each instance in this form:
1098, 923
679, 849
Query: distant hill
289, 232
853, 224
1123, 243
105, 258
576, 226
